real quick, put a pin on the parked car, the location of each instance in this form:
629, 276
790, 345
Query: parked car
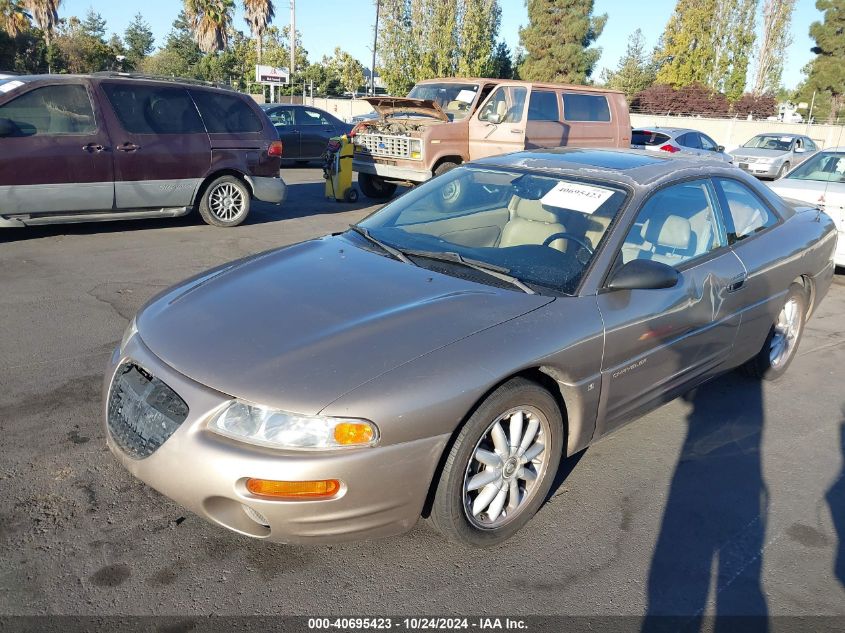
678, 139
772, 155
820, 181
445, 122
367, 116
77, 148
304, 131
441, 357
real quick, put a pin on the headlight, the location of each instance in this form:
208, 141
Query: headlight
415, 148
130, 331
281, 429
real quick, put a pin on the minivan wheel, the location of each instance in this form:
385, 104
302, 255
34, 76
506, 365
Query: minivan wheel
375, 187
500, 467
225, 202
781, 344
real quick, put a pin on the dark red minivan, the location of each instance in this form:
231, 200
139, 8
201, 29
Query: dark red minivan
77, 148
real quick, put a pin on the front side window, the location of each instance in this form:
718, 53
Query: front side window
505, 105
50, 111
581, 107
746, 213
676, 225
809, 145
824, 167
542, 106
543, 230
690, 139
306, 116
153, 109
708, 143
225, 114
281, 116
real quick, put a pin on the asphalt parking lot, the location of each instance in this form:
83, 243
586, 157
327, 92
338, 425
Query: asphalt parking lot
726, 501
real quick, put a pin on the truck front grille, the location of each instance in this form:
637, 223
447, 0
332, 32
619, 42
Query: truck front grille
143, 412
384, 145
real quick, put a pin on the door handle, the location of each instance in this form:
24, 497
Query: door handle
94, 147
737, 283
516, 131
128, 147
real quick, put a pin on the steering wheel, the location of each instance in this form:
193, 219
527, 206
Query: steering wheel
556, 236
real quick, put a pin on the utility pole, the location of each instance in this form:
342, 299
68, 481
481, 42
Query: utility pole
292, 38
375, 45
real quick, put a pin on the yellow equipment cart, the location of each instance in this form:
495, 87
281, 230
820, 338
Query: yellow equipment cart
337, 169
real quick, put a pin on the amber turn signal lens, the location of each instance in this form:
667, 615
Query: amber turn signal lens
353, 433
293, 489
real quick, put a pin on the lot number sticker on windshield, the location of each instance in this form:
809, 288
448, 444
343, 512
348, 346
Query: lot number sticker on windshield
583, 198
466, 96
10, 85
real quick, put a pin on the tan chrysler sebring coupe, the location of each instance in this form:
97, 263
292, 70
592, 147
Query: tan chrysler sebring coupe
440, 358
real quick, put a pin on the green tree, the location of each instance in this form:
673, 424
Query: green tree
45, 13
81, 46
735, 43
687, 54
479, 25
501, 62
635, 71
14, 18
94, 25
397, 50
558, 40
139, 40
210, 22
826, 71
180, 54
348, 70
258, 14
771, 53
434, 29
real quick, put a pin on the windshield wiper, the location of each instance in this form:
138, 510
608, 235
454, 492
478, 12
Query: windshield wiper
387, 248
498, 272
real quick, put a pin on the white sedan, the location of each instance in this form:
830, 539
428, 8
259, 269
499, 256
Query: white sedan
820, 181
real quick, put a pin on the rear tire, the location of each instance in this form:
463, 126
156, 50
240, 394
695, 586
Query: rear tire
225, 202
375, 187
495, 479
781, 344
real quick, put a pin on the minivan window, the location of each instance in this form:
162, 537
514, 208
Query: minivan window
225, 114
581, 107
542, 106
51, 110
153, 109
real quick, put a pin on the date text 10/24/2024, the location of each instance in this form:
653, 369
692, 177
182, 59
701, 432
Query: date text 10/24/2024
417, 624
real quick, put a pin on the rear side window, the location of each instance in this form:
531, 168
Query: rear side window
281, 116
51, 111
690, 139
225, 114
542, 106
306, 116
647, 137
747, 214
153, 109
578, 107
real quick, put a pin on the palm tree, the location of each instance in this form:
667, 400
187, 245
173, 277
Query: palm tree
46, 15
14, 18
258, 14
210, 21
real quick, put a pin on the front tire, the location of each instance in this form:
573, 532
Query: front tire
375, 187
781, 344
782, 171
225, 202
501, 466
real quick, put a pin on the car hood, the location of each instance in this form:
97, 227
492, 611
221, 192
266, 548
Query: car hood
757, 152
811, 192
298, 327
387, 106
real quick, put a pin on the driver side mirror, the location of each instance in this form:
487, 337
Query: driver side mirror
800, 150
720, 148
644, 274
7, 128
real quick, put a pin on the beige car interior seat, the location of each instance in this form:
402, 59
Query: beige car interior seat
531, 223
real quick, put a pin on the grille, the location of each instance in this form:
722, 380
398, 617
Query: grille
383, 145
143, 412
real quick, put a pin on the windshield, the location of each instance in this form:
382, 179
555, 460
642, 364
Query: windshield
454, 99
541, 229
826, 167
771, 141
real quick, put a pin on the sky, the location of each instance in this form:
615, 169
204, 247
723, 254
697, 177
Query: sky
325, 24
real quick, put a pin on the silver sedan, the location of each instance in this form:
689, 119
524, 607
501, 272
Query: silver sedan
772, 155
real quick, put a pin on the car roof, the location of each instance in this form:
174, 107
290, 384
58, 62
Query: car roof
130, 77
670, 130
789, 134
519, 82
621, 165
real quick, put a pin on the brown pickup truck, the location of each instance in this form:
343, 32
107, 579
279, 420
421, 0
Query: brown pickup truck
445, 122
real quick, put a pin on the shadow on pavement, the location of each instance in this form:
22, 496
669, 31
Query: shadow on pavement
714, 522
836, 500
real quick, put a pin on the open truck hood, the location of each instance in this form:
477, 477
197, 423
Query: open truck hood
387, 106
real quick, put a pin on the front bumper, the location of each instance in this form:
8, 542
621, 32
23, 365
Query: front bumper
761, 170
390, 172
268, 188
383, 489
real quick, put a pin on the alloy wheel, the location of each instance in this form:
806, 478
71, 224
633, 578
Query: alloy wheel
787, 328
226, 201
